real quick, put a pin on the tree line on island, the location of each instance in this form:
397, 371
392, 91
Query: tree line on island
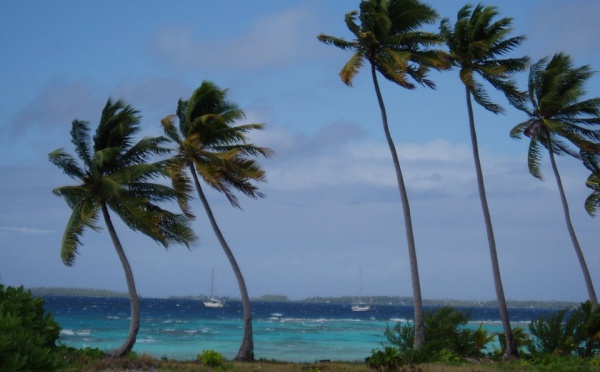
337, 300
203, 144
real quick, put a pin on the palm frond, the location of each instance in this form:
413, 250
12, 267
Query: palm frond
170, 129
350, 69
80, 137
534, 158
337, 42
67, 163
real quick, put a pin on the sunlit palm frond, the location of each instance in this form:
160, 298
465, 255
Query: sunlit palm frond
351, 68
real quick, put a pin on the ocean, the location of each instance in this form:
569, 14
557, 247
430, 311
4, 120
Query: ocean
288, 331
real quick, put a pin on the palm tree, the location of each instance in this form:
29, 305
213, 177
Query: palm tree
115, 174
387, 36
476, 44
209, 146
556, 113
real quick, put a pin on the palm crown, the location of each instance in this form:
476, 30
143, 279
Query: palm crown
386, 34
208, 141
476, 43
115, 173
556, 111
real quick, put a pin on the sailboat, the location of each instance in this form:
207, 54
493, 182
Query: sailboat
361, 305
212, 302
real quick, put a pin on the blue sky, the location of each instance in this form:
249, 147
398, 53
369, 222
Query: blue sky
332, 207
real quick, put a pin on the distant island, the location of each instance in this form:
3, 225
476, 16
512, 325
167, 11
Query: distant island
343, 300
75, 292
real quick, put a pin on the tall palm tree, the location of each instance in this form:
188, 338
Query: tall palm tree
210, 147
476, 46
556, 112
387, 36
115, 175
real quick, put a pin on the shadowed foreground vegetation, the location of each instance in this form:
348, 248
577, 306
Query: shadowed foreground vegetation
84, 360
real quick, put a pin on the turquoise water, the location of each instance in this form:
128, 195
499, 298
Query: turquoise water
298, 332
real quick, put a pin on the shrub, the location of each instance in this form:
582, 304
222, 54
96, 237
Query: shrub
567, 332
28, 334
384, 361
447, 340
211, 358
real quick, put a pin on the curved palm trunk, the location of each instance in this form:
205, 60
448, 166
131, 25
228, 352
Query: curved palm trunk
586, 273
134, 325
419, 339
246, 351
511, 347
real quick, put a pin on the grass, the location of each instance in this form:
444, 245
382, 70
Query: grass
95, 360
100, 363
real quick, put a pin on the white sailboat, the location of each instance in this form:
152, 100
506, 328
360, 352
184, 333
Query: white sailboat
212, 302
360, 305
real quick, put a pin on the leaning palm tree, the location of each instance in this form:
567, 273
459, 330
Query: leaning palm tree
556, 113
476, 46
387, 36
115, 175
210, 147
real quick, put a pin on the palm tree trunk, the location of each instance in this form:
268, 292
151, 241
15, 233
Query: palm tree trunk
134, 325
511, 347
586, 273
246, 351
419, 338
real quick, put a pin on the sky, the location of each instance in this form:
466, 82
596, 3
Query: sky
332, 208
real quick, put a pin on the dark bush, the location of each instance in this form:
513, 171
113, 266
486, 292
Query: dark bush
28, 334
447, 339
567, 332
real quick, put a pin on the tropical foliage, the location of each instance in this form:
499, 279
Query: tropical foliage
211, 147
28, 334
562, 122
449, 339
567, 332
388, 37
115, 174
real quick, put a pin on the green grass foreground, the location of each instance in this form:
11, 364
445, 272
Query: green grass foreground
77, 362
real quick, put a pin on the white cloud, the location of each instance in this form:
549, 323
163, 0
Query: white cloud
272, 40
24, 230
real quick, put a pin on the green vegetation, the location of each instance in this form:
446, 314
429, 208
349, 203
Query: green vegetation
569, 340
211, 358
28, 334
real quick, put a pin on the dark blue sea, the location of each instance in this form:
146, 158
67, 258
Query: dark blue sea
290, 331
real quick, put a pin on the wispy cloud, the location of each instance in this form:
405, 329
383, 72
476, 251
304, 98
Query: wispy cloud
273, 40
56, 105
23, 230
